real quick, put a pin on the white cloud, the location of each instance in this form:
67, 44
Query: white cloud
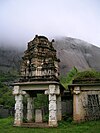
20, 20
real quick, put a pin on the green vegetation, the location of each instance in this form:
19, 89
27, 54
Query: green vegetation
6, 97
41, 101
6, 77
90, 76
68, 78
6, 126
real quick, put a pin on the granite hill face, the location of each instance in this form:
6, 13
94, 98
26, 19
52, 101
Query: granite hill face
74, 52
71, 52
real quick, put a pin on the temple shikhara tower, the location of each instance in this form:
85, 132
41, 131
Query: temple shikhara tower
39, 74
40, 61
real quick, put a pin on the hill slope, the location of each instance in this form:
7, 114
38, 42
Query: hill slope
9, 59
78, 53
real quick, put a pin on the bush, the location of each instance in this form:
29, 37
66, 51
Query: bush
6, 97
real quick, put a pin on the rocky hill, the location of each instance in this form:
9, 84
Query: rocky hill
72, 52
10, 59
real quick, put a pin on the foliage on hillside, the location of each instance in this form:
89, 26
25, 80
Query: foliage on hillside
68, 78
6, 77
6, 97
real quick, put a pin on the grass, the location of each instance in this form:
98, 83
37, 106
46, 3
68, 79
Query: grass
6, 126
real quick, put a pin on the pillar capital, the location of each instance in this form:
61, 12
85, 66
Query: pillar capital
53, 89
18, 91
76, 90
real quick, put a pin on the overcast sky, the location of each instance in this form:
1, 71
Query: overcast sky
20, 20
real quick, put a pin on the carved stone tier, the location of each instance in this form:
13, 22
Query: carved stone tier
39, 61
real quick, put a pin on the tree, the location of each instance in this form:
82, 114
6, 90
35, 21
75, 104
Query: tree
68, 78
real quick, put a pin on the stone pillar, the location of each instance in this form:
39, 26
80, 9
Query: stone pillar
38, 116
59, 108
52, 110
18, 110
53, 91
29, 108
18, 105
77, 105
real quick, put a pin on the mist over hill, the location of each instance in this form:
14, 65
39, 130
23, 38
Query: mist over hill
71, 52
10, 58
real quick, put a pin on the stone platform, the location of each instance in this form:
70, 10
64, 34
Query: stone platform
35, 125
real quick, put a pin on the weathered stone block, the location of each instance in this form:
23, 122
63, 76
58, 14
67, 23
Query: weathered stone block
52, 115
38, 115
52, 89
16, 90
52, 105
52, 97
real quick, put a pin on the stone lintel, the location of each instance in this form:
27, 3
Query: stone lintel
36, 82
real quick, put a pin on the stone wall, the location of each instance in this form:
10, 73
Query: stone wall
86, 102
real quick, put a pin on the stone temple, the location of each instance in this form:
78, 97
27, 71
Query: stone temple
40, 61
39, 74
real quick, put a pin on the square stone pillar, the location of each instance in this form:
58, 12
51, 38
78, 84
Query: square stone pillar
38, 116
29, 108
53, 91
18, 110
59, 108
52, 110
78, 111
18, 93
